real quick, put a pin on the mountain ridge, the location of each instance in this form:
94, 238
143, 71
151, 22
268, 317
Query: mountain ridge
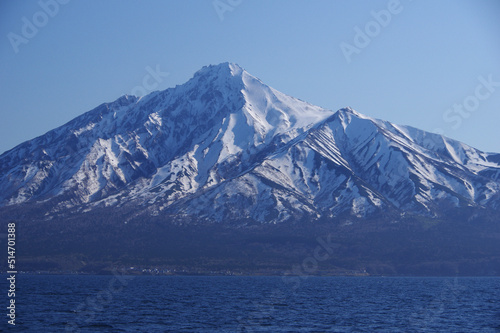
181, 151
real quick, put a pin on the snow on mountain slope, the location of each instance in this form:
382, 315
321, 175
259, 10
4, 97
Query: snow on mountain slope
408, 166
120, 142
224, 146
348, 163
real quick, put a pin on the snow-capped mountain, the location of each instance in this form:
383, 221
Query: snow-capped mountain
224, 146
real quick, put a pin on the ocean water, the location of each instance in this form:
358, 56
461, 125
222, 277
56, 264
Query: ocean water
72, 303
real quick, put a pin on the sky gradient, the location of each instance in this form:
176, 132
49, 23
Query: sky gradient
434, 65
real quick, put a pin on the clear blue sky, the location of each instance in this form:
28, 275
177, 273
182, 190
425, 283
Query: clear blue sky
427, 57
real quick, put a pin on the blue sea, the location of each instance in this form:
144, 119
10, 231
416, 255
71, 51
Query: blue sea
120, 303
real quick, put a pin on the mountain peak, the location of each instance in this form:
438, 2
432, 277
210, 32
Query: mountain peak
349, 110
222, 69
226, 78
225, 130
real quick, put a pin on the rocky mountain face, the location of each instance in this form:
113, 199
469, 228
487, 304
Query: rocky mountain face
226, 174
224, 146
